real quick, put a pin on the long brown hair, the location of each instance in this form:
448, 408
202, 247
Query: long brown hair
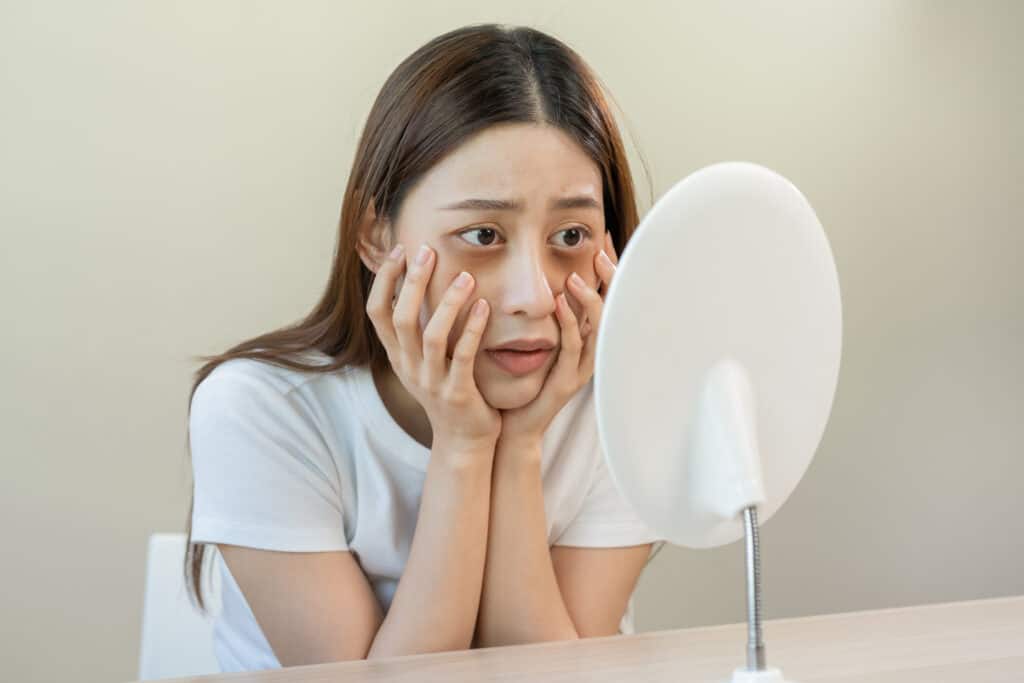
452, 87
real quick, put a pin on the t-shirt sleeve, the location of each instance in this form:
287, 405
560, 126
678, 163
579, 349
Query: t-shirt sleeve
263, 475
606, 519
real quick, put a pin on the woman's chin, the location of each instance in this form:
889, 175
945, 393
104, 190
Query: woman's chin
511, 393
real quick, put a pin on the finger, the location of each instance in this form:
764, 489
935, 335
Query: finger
593, 304
610, 248
406, 315
382, 291
437, 331
567, 366
605, 270
464, 354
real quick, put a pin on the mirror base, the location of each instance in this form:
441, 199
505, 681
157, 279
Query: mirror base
770, 675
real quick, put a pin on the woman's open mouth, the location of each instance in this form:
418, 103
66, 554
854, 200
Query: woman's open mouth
520, 362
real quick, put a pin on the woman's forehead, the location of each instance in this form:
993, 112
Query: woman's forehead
534, 165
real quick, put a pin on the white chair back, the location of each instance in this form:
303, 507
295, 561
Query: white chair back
177, 640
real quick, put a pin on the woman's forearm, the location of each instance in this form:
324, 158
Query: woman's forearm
521, 601
435, 604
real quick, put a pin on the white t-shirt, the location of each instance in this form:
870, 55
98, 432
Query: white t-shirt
301, 461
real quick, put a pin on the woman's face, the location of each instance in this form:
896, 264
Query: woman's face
520, 254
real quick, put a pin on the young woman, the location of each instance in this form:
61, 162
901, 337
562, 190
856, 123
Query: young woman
415, 466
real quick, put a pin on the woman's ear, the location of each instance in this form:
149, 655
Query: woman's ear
373, 241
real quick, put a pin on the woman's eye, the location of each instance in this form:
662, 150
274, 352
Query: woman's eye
575, 235
486, 236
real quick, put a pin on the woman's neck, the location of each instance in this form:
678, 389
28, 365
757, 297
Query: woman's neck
403, 406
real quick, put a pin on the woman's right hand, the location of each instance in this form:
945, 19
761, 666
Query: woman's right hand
458, 413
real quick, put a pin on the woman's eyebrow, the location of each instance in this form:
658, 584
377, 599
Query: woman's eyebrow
577, 202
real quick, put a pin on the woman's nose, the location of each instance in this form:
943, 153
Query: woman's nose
527, 288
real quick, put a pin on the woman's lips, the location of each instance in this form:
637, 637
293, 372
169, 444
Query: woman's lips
520, 362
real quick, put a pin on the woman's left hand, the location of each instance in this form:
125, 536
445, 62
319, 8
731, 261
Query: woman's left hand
575, 363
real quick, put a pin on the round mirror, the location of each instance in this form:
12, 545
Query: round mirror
728, 278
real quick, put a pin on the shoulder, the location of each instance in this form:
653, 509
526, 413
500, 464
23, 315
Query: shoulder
241, 385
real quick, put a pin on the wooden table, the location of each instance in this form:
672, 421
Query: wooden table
980, 641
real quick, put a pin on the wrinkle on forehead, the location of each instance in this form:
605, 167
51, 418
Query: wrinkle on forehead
530, 163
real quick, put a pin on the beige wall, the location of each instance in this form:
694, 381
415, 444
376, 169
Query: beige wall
170, 177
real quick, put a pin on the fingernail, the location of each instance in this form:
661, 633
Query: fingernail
462, 280
604, 259
423, 255
480, 307
396, 252
577, 280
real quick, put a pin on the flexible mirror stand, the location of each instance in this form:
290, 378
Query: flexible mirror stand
717, 363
